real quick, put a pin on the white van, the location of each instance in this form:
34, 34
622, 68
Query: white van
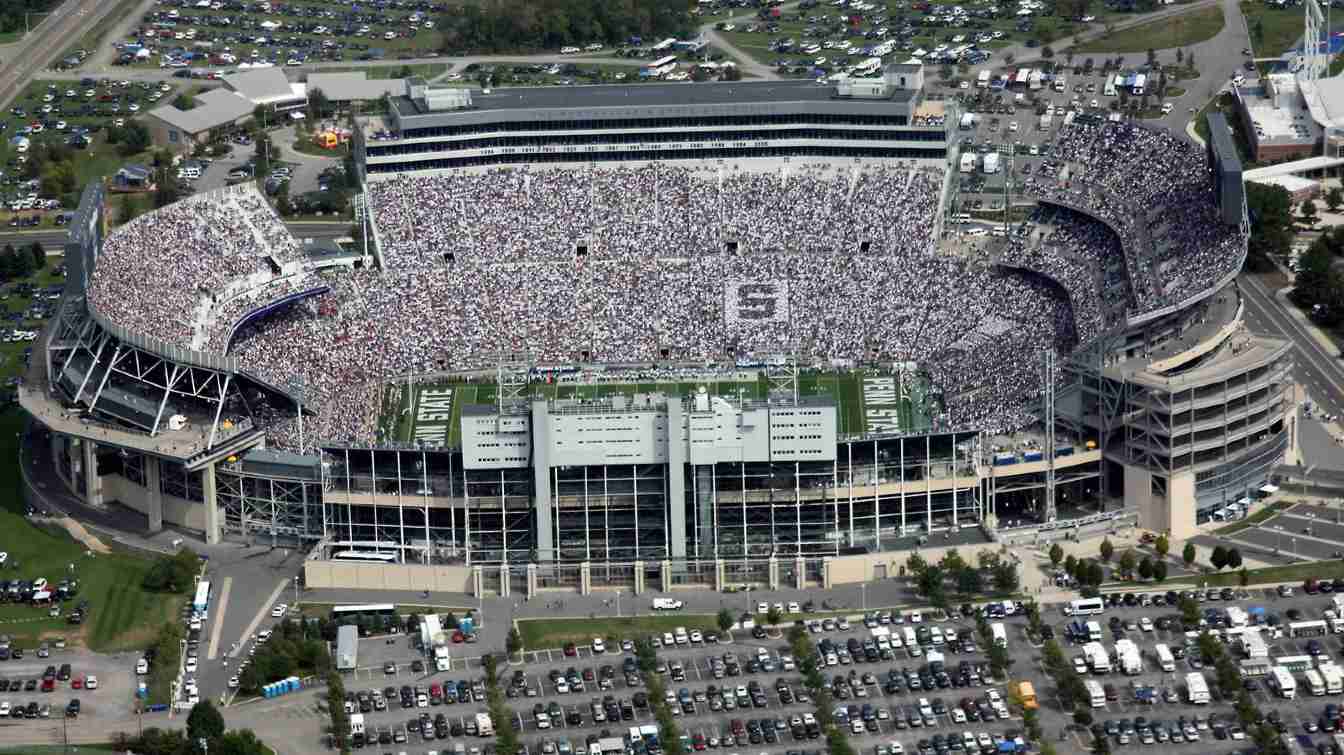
681, 636
569, 51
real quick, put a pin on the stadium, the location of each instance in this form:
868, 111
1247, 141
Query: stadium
705, 334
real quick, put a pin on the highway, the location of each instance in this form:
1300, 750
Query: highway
1316, 369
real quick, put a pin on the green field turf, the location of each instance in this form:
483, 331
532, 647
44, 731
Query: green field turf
400, 421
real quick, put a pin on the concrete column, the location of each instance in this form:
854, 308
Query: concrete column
826, 574
504, 586
720, 574
93, 485
773, 573
541, 481
585, 578
666, 573
639, 577
799, 573
477, 581
211, 504
531, 580
155, 497
676, 484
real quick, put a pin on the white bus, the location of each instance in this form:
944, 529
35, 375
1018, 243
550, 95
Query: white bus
202, 601
1086, 607
1000, 634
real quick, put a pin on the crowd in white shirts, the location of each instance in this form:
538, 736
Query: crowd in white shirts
642, 265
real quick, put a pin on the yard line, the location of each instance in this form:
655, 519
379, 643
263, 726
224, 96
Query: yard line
220, 607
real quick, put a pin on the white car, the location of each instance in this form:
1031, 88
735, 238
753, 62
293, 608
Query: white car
1166, 108
696, 637
191, 665
233, 682
90, 682
762, 608
1146, 624
958, 716
793, 606
4, 708
279, 610
263, 636
142, 666
599, 646
896, 748
3, 557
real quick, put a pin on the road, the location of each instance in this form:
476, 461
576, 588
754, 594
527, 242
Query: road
26, 58
1316, 368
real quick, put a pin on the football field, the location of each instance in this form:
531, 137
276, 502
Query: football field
431, 413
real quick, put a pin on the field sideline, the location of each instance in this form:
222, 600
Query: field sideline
432, 413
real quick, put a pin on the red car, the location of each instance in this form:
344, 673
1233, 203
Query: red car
570, 650
77, 683
698, 742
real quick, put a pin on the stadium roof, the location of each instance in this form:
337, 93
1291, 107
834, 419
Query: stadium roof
353, 86
217, 107
645, 95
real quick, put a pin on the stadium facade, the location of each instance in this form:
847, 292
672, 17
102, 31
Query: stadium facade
1172, 415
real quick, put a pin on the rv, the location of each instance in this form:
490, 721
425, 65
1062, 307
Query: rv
1165, 658
1096, 693
1197, 688
1281, 680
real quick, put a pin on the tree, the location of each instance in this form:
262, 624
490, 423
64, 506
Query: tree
1189, 612
184, 101
725, 620
1071, 566
319, 105
204, 721
730, 73
39, 255
1334, 198
1152, 56
1082, 717
1005, 576
1096, 574
1127, 563
1107, 550
1162, 545
1188, 554
1219, 557
915, 565
969, 581
514, 642
1146, 568
1056, 554
952, 561
1180, 55
1270, 209
1159, 571
1258, 30
1234, 558
1308, 211
1047, 52
773, 616
1009, 58
1243, 577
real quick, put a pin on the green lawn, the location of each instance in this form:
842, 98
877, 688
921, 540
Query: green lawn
93, 38
1162, 34
1273, 30
1271, 574
546, 634
1225, 104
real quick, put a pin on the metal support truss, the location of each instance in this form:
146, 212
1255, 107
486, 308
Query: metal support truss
269, 506
512, 370
1050, 513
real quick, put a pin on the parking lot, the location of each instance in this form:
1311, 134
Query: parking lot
1305, 531
711, 701
21, 687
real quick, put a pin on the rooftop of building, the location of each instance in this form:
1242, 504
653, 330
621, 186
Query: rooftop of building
1214, 326
1280, 110
215, 108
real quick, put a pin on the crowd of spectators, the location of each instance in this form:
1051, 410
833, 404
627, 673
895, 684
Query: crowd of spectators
641, 265
1156, 190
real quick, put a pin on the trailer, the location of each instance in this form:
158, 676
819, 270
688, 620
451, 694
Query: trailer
1253, 645
1281, 680
1127, 656
982, 80
1046, 120
1097, 659
1315, 682
1333, 677
1000, 634
1164, 658
1140, 81
990, 167
1094, 631
347, 647
1095, 693
484, 726
1197, 688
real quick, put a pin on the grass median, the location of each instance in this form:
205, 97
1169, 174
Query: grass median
1180, 30
543, 634
1269, 574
